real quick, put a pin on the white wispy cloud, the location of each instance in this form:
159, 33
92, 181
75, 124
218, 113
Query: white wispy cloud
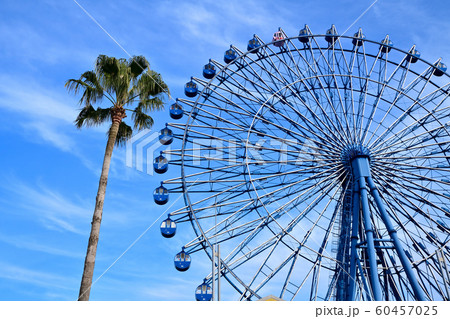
24, 95
222, 23
29, 44
41, 111
61, 212
35, 277
29, 243
45, 115
51, 208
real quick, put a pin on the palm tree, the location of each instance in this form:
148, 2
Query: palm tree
123, 84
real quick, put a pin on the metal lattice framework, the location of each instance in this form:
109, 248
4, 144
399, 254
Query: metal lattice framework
321, 165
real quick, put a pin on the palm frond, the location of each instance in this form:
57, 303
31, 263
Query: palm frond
151, 104
137, 65
113, 75
123, 82
151, 84
93, 92
89, 116
123, 135
107, 66
141, 120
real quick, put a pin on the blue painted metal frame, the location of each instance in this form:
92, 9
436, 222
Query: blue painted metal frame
363, 180
361, 170
354, 241
393, 234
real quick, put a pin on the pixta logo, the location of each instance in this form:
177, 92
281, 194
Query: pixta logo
142, 148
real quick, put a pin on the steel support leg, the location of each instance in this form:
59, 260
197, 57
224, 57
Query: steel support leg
361, 171
418, 292
354, 241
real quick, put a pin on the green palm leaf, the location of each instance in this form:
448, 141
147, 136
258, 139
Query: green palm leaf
123, 135
123, 83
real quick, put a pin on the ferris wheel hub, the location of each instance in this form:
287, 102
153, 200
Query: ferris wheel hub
352, 151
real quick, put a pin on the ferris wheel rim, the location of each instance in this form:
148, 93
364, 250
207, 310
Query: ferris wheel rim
197, 105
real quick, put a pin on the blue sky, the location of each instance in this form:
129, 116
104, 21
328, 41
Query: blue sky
50, 169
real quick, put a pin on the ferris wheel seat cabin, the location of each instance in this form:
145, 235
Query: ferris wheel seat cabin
182, 261
230, 55
161, 195
168, 228
160, 164
209, 70
176, 111
190, 89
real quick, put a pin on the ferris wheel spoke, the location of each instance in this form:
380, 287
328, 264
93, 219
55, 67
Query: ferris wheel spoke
407, 166
433, 270
400, 208
255, 96
267, 159
408, 136
287, 187
422, 188
405, 199
403, 172
362, 78
295, 93
229, 233
307, 194
231, 169
311, 128
315, 72
414, 143
293, 133
249, 75
279, 236
217, 92
381, 84
417, 104
340, 61
319, 256
317, 260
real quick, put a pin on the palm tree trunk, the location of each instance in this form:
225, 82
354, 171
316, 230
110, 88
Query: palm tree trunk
89, 263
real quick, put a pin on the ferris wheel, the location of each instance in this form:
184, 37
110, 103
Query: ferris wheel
320, 165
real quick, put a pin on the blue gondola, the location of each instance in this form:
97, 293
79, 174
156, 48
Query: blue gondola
161, 195
203, 292
182, 261
190, 89
209, 70
168, 228
358, 38
253, 45
278, 39
413, 56
166, 136
386, 45
230, 55
331, 35
440, 69
176, 111
303, 35
160, 164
